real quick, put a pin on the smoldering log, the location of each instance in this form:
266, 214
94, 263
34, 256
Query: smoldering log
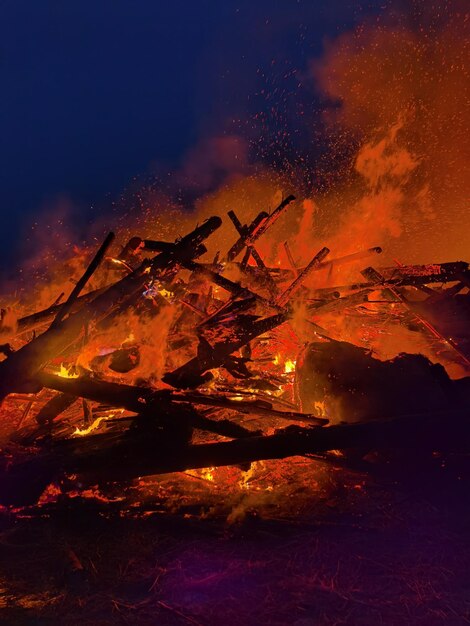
443, 431
336, 262
130, 249
290, 258
284, 274
426, 274
236, 289
354, 385
353, 257
103, 458
162, 403
253, 407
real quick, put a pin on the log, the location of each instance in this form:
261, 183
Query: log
338, 304
163, 403
269, 221
258, 227
302, 276
236, 289
247, 231
102, 458
290, 258
251, 251
54, 407
41, 318
416, 276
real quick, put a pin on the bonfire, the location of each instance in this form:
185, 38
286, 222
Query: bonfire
162, 360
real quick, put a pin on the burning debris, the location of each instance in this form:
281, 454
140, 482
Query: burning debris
174, 363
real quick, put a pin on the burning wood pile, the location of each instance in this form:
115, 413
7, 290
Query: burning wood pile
253, 365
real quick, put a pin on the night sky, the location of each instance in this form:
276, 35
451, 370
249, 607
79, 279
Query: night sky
97, 93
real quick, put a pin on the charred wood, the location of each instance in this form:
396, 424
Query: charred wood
105, 458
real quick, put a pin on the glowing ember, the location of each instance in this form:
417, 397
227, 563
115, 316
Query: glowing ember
206, 473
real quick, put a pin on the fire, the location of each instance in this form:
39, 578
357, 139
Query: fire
289, 366
67, 372
244, 482
182, 322
81, 432
206, 473
390, 198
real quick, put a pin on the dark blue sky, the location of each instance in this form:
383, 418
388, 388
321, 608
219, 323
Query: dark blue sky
96, 91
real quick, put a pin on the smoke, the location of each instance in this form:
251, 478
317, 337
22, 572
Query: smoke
395, 94
399, 86
213, 159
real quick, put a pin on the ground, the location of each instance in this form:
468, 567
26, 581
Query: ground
336, 546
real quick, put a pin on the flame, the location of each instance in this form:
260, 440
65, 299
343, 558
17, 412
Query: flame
244, 482
165, 293
336, 453
67, 372
394, 193
254, 472
289, 366
129, 339
206, 473
81, 432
